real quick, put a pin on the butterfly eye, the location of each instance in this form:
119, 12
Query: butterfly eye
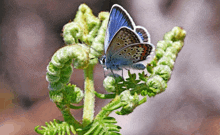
103, 60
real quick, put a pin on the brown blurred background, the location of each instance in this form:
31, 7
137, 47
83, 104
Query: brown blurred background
30, 34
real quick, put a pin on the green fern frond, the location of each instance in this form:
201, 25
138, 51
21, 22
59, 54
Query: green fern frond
55, 127
105, 126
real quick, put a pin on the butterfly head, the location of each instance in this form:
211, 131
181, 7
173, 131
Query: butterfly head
102, 61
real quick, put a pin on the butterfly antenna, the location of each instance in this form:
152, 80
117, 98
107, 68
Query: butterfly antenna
92, 48
95, 51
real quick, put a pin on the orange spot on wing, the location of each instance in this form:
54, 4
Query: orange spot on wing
145, 51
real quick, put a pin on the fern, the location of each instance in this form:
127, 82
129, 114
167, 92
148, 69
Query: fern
104, 126
84, 38
56, 127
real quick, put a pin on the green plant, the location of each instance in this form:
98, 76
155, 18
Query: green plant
84, 38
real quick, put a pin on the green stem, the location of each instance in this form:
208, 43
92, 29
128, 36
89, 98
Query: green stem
114, 104
89, 99
68, 116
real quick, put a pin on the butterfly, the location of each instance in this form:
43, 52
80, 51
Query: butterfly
125, 43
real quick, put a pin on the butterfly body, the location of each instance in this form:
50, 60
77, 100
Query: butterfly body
125, 43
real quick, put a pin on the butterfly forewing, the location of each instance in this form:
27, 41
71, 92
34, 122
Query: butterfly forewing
135, 52
117, 19
122, 38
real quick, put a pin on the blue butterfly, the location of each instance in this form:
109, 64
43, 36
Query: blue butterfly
125, 43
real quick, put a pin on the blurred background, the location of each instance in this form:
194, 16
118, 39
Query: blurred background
30, 34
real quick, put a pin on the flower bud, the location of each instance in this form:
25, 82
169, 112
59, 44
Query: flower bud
72, 32
159, 53
109, 84
129, 102
56, 96
170, 55
166, 61
156, 84
178, 45
163, 44
172, 49
72, 94
163, 71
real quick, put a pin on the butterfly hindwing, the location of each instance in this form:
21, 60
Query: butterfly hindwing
143, 33
122, 38
135, 52
117, 19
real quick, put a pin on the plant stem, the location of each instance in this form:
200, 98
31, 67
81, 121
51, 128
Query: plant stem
114, 104
68, 116
89, 99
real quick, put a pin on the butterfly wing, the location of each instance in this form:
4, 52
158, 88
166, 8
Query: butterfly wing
121, 39
117, 19
133, 53
143, 33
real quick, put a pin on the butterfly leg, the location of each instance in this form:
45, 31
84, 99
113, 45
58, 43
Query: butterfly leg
113, 73
104, 74
122, 74
122, 71
126, 69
